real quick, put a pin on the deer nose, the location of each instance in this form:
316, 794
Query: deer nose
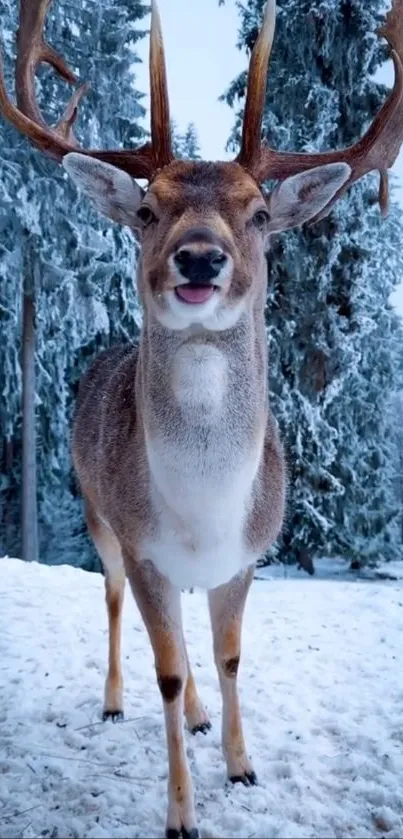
200, 267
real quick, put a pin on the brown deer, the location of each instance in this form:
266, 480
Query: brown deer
174, 445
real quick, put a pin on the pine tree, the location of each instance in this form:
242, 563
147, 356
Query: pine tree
84, 296
186, 146
333, 336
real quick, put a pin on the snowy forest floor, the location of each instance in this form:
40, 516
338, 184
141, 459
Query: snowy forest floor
321, 685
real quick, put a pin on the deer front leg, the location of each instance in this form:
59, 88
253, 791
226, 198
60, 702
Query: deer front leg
113, 700
159, 604
227, 604
195, 713
110, 553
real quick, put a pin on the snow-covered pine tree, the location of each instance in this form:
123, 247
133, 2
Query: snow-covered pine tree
85, 296
398, 408
186, 146
333, 336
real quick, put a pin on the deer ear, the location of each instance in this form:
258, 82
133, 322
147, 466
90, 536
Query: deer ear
302, 196
114, 193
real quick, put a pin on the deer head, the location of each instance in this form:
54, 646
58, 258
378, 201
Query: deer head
204, 227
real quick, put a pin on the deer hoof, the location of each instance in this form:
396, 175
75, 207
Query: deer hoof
248, 779
115, 716
203, 727
172, 833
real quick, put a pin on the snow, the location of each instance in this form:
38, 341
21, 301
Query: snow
333, 568
321, 689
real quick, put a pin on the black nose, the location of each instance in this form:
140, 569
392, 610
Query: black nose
200, 267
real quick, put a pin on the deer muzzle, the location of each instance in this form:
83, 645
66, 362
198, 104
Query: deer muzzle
199, 261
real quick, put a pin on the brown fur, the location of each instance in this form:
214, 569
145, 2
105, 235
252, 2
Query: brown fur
196, 715
127, 396
108, 451
216, 195
226, 609
110, 553
174, 444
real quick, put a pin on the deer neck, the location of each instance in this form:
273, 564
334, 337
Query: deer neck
203, 409
196, 379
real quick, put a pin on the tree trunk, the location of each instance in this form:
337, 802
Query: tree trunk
401, 466
8, 461
29, 499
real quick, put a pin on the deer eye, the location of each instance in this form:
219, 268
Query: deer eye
146, 215
261, 219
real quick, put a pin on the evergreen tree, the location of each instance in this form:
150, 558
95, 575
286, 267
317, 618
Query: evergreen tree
333, 336
84, 294
186, 146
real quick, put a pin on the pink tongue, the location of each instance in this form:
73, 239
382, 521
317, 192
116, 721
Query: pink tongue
194, 294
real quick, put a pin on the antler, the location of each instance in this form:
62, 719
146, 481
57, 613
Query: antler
160, 121
58, 140
256, 90
377, 149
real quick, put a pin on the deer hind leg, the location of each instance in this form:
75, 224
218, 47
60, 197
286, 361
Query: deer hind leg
159, 604
196, 715
110, 552
227, 604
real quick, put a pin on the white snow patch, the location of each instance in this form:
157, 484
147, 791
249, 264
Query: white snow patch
322, 695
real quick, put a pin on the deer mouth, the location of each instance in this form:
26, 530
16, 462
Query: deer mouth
195, 293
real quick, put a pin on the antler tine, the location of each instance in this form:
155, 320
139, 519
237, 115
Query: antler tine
159, 100
43, 138
32, 51
256, 89
64, 127
377, 149
26, 117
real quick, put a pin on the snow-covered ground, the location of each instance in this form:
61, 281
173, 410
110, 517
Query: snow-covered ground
330, 568
322, 693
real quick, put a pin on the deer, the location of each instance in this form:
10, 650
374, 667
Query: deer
176, 451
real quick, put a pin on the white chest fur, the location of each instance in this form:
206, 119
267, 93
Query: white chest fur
200, 378
201, 493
